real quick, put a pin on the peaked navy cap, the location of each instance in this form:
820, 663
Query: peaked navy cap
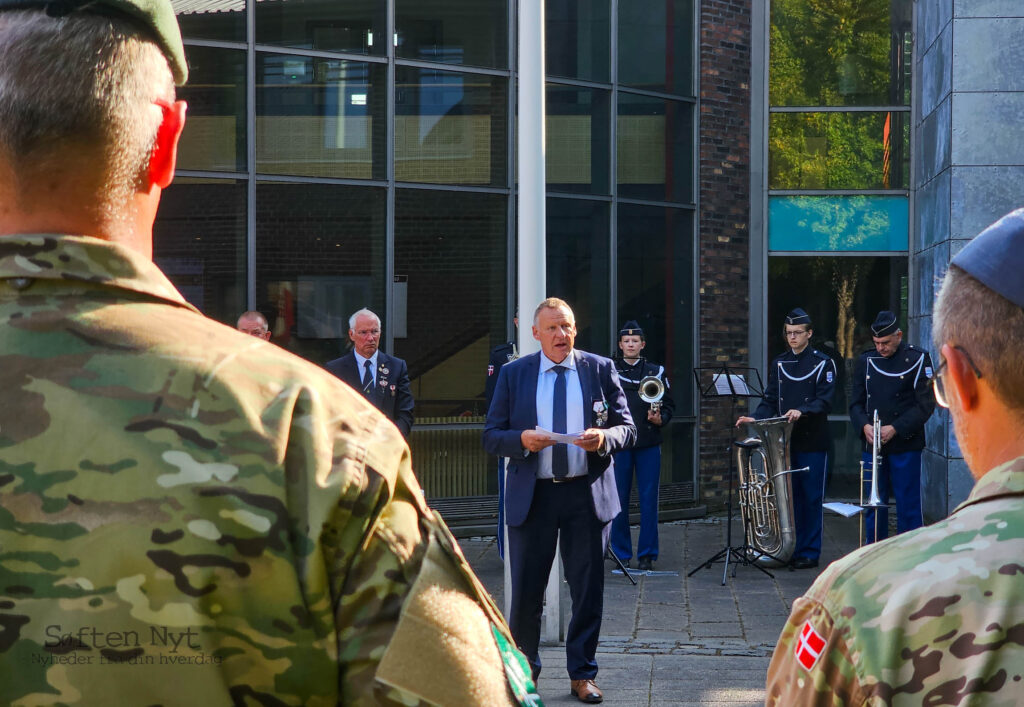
885, 323
995, 257
631, 328
798, 316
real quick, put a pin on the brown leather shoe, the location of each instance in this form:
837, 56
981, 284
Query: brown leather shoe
585, 691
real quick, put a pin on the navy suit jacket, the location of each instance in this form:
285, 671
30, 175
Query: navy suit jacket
514, 409
391, 394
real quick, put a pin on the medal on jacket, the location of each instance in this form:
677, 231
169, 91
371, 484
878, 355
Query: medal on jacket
600, 413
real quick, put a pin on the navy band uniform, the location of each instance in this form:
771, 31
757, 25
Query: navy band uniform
803, 381
899, 387
644, 459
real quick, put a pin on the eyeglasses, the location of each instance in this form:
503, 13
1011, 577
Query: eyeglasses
795, 334
939, 386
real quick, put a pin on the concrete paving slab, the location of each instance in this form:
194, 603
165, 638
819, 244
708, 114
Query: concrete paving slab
681, 640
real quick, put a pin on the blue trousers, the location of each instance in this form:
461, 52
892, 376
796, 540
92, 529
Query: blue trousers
900, 473
646, 463
808, 493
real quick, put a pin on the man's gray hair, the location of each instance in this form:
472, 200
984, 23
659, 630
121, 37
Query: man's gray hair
364, 312
85, 85
988, 326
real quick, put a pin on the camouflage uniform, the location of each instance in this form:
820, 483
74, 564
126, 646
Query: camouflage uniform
934, 616
191, 516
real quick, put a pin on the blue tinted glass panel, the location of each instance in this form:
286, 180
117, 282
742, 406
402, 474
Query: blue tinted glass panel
838, 223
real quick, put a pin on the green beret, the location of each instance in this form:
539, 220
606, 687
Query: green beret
155, 16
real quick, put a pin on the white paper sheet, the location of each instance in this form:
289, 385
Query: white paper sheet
559, 437
846, 510
739, 384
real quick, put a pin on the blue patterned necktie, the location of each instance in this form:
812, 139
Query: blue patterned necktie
367, 377
560, 452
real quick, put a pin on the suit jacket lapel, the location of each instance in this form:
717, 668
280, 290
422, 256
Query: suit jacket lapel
531, 370
355, 377
584, 373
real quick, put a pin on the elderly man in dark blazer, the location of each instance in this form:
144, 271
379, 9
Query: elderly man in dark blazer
555, 488
383, 379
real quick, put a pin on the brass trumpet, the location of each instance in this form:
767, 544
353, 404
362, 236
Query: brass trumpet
652, 390
874, 498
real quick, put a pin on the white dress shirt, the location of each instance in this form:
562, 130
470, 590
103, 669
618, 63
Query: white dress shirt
573, 413
361, 365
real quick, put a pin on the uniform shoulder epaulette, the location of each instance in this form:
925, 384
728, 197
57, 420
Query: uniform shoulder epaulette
918, 349
821, 354
501, 347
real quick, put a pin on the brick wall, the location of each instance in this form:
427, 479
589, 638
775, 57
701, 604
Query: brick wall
723, 220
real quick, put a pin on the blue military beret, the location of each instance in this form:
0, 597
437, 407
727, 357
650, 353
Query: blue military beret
995, 257
631, 328
798, 316
885, 323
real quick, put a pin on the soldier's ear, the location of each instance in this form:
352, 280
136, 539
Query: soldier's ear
164, 155
961, 381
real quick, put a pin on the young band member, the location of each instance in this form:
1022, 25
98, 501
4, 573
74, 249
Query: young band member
801, 382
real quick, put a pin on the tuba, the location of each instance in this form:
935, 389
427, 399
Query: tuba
652, 390
765, 494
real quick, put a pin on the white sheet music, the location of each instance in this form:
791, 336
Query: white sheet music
738, 384
844, 509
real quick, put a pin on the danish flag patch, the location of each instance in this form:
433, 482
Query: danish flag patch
809, 647
490, 369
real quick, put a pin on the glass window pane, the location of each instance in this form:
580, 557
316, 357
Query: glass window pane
471, 32
577, 39
578, 267
199, 243
831, 223
355, 26
450, 293
655, 148
222, 20
577, 155
656, 45
319, 257
840, 53
839, 150
450, 128
655, 287
842, 294
214, 134
320, 117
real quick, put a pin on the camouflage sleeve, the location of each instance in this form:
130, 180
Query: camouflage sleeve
812, 664
413, 624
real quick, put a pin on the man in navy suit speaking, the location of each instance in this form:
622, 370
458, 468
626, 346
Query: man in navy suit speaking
554, 488
383, 379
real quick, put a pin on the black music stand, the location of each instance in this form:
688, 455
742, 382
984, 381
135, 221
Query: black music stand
733, 382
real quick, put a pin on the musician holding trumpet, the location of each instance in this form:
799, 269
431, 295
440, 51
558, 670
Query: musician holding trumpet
650, 403
801, 382
894, 379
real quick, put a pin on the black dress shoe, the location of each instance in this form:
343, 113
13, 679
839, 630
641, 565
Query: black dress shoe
644, 564
804, 563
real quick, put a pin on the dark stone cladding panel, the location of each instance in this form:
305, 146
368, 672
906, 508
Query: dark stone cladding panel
724, 182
